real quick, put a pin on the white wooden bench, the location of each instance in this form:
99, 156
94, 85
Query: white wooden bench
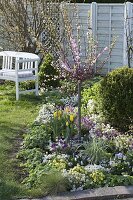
19, 67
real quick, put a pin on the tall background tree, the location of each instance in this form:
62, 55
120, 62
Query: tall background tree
29, 25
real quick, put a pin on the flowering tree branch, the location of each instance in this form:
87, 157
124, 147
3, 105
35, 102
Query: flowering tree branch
77, 68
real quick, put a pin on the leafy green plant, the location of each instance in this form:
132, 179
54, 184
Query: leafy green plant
90, 101
53, 182
30, 158
116, 180
115, 97
37, 137
95, 149
48, 75
90, 93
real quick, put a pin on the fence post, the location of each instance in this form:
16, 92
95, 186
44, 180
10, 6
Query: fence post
93, 21
93, 18
127, 29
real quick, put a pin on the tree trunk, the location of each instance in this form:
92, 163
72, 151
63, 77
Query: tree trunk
79, 109
129, 59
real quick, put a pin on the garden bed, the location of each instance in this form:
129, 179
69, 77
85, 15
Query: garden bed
56, 159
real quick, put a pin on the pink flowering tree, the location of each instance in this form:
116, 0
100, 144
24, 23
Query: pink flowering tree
77, 69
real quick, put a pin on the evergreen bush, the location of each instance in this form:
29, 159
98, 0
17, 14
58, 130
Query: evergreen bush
115, 96
48, 75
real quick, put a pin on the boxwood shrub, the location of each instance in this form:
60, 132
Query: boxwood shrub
115, 96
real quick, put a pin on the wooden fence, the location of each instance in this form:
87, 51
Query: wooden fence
107, 21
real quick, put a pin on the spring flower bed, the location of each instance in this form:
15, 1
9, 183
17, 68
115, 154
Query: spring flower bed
56, 160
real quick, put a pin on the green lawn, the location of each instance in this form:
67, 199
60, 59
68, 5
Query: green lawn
15, 116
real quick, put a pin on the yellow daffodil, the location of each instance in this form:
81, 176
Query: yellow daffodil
67, 124
71, 118
55, 114
59, 113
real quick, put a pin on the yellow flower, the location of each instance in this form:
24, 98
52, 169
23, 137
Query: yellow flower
59, 113
71, 118
55, 114
67, 124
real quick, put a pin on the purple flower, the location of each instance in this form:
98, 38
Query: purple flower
64, 146
98, 133
87, 123
119, 155
53, 146
60, 144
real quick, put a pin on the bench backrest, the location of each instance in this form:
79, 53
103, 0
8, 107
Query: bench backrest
8, 63
18, 60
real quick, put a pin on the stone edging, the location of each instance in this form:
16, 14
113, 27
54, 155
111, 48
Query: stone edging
105, 193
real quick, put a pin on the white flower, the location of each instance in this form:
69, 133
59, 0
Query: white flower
91, 168
45, 113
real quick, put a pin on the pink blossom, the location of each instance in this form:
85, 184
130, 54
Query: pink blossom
105, 49
65, 66
80, 70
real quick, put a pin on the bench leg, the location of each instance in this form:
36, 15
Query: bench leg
17, 91
36, 87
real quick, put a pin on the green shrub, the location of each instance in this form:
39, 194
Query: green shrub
90, 93
48, 75
115, 97
38, 137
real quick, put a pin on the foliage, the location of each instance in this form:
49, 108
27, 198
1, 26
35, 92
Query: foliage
98, 178
53, 183
70, 101
68, 87
116, 180
115, 96
90, 101
46, 113
96, 150
7, 191
90, 93
48, 75
27, 85
37, 137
